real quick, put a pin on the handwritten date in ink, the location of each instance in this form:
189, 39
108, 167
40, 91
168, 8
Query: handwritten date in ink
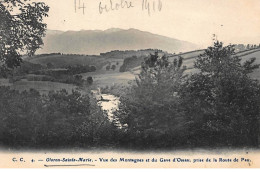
106, 6
151, 6
114, 5
79, 5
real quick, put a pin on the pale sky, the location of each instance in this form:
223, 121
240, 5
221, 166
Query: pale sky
233, 21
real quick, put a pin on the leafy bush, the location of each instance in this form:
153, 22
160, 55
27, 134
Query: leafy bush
58, 119
222, 100
90, 80
113, 67
108, 67
72, 70
93, 68
150, 112
61, 76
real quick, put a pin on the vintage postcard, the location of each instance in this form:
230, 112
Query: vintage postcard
129, 83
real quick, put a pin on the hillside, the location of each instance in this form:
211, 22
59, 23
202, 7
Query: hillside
63, 60
60, 61
130, 53
94, 42
189, 58
256, 73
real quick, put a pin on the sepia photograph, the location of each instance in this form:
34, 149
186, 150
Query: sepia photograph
129, 83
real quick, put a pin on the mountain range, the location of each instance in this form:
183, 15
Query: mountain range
94, 42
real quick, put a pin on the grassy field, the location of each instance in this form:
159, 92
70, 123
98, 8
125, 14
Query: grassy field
187, 55
256, 73
110, 79
103, 78
252, 55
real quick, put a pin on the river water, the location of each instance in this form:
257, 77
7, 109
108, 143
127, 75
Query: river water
109, 106
108, 102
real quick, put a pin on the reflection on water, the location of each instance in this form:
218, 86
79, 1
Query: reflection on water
108, 103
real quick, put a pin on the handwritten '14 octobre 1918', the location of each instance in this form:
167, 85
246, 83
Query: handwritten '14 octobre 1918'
115, 5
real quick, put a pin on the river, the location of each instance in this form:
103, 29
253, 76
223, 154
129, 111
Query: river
108, 102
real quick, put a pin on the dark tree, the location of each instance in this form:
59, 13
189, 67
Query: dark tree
21, 30
93, 68
90, 80
108, 67
113, 67
150, 111
222, 100
57, 119
78, 77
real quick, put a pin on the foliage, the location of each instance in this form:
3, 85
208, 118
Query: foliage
93, 68
222, 101
37, 72
27, 68
108, 67
56, 76
58, 119
21, 30
149, 112
90, 80
72, 70
218, 106
113, 67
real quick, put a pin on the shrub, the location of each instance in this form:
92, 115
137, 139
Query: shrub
58, 119
113, 67
93, 68
222, 100
90, 80
150, 112
108, 67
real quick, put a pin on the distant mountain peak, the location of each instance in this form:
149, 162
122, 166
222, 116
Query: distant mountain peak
110, 30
